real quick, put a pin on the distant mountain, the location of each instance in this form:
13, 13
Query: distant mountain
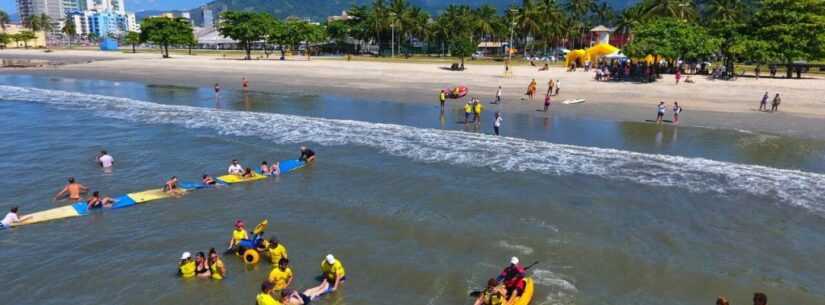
319, 9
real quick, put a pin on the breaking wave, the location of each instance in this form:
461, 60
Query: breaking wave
793, 187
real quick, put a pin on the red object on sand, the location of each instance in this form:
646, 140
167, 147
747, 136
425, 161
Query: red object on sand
457, 92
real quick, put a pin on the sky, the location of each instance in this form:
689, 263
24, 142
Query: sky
131, 5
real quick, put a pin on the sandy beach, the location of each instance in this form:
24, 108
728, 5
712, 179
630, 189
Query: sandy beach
707, 103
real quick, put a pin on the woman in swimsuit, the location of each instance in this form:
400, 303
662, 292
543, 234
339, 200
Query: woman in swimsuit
208, 180
171, 187
265, 168
95, 202
275, 169
247, 173
201, 267
292, 297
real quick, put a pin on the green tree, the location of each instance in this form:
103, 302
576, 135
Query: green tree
69, 30
4, 19
5, 39
25, 37
338, 31
32, 22
791, 30
463, 47
46, 24
673, 39
133, 38
164, 32
245, 27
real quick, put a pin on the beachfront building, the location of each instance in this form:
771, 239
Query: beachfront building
52, 8
208, 17
102, 18
12, 29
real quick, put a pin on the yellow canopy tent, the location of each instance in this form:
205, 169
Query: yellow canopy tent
577, 56
600, 50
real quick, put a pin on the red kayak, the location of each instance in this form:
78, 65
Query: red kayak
457, 92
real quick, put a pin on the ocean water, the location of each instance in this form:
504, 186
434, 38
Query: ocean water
420, 208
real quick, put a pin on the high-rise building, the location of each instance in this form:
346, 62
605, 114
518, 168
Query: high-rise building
208, 19
52, 8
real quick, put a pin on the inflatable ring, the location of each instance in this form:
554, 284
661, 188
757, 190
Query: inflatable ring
251, 257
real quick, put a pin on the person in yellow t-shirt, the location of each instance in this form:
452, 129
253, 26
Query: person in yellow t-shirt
237, 235
265, 296
187, 265
281, 276
276, 251
333, 272
216, 268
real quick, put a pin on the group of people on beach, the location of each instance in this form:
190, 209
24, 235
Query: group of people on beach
763, 104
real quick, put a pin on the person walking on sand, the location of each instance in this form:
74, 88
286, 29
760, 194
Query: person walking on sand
531, 89
776, 101
550, 84
546, 102
558, 85
678, 76
676, 111
497, 123
660, 112
498, 95
763, 105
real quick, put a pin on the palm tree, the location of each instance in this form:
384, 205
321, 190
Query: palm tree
4, 20
529, 19
416, 20
485, 21
33, 23
724, 10
578, 10
69, 30
682, 9
46, 23
552, 22
378, 21
630, 18
603, 13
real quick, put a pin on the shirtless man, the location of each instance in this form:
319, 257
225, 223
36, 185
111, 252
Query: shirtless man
73, 189
171, 187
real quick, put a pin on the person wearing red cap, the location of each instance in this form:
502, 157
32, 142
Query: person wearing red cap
238, 234
513, 278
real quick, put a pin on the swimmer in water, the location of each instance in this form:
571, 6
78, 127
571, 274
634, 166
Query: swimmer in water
72, 189
95, 202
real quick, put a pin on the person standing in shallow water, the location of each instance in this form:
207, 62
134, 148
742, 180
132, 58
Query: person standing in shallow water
676, 111
497, 123
660, 112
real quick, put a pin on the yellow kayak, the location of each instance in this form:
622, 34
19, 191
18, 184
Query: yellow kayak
525, 297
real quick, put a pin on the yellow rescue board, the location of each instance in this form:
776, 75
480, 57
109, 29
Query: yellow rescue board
231, 179
50, 214
525, 297
155, 194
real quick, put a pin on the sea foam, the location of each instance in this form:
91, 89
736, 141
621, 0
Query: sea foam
793, 187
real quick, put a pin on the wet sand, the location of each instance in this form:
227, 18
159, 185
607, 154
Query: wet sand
707, 103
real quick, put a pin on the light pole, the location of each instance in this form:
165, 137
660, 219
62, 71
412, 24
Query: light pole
682, 7
392, 43
512, 28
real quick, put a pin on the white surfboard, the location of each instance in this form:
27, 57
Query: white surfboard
576, 101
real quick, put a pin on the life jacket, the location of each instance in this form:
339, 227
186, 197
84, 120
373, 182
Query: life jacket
188, 269
492, 297
213, 268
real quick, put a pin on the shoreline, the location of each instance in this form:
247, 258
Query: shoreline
708, 104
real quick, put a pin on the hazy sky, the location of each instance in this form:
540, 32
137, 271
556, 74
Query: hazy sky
131, 5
